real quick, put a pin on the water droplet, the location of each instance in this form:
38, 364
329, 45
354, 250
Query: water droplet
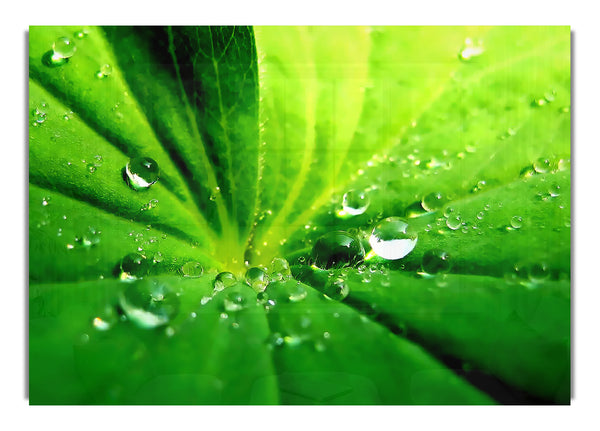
40, 113
234, 301
336, 288
63, 48
554, 190
449, 210
275, 340
516, 222
91, 168
538, 272
480, 215
454, 222
257, 279
192, 269
105, 71
149, 303
80, 34
433, 201
223, 280
279, 269
297, 293
141, 172
46, 201
355, 202
415, 209
393, 238
436, 262
337, 249
470, 50
101, 325
543, 165
133, 266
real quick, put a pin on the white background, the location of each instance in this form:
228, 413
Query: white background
580, 15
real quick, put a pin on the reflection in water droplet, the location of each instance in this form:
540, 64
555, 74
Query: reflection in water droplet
234, 301
393, 238
149, 303
297, 293
337, 249
279, 269
62, 48
192, 269
435, 262
133, 266
516, 222
336, 288
141, 172
223, 280
355, 202
433, 201
257, 279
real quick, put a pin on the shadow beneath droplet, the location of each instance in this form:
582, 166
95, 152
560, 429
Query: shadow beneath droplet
49, 61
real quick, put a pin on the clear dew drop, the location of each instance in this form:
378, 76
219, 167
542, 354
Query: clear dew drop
62, 48
355, 202
223, 280
279, 269
393, 238
257, 279
542, 165
134, 266
141, 173
192, 269
436, 262
538, 272
433, 201
454, 222
149, 303
297, 293
233, 302
337, 249
100, 324
105, 71
336, 288
80, 34
470, 50
516, 222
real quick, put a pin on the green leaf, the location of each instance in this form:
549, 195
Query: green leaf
258, 134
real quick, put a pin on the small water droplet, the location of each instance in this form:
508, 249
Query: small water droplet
46, 201
141, 172
101, 325
449, 210
516, 222
480, 215
538, 272
355, 202
257, 278
454, 222
436, 262
336, 249
234, 301
81, 34
543, 165
40, 113
133, 266
297, 293
275, 340
149, 303
63, 48
470, 50
223, 280
393, 238
192, 269
105, 71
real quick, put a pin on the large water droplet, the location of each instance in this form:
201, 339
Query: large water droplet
336, 249
223, 280
433, 201
149, 303
393, 238
336, 288
62, 48
234, 301
192, 269
133, 266
141, 172
279, 269
355, 202
435, 262
257, 279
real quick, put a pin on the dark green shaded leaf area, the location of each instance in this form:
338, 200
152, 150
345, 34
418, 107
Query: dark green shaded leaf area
267, 139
